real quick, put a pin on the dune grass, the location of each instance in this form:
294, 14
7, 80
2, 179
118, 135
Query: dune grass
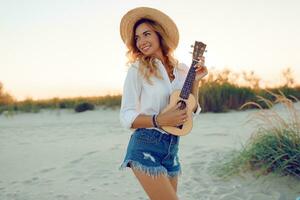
225, 90
222, 97
30, 105
220, 91
275, 145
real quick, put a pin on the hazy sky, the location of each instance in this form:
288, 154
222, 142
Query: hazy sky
51, 48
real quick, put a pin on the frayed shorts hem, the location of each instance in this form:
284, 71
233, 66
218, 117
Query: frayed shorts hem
153, 171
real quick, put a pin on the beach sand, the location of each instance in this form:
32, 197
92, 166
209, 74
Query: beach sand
54, 155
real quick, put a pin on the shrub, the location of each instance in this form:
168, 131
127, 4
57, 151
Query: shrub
275, 145
81, 107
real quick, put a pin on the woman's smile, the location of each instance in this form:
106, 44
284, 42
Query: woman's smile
145, 47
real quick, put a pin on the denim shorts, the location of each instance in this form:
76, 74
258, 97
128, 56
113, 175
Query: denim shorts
153, 153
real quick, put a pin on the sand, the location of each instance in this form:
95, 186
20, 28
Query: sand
60, 154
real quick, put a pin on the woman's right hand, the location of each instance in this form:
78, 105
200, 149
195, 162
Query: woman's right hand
172, 117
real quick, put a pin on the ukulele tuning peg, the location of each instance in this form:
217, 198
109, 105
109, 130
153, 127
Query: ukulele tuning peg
205, 51
191, 52
192, 46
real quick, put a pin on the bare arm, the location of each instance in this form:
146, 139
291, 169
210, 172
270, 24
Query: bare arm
142, 121
172, 117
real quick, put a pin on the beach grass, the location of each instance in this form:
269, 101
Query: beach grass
30, 105
274, 146
225, 90
213, 97
222, 97
220, 91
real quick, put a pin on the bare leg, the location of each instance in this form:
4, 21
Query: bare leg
174, 181
157, 188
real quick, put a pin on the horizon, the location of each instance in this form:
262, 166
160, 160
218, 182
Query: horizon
238, 79
69, 48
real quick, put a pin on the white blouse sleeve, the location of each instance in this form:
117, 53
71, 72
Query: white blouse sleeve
130, 98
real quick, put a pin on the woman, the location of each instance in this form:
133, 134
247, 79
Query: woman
152, 154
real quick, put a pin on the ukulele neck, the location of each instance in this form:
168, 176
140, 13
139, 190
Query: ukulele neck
188, 83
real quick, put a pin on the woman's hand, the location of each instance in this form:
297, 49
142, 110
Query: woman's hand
172, 117
201, 69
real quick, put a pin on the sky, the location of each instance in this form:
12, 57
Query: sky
71, 48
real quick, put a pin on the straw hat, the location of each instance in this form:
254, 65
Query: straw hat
132, 16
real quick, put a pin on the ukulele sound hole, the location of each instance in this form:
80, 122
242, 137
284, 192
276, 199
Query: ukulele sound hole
182, 104
180, 126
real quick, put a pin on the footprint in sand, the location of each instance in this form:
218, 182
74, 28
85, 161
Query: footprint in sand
62, 196
33, 180
216, 134
76, 161
47, 170
82, 157
90, 153
14, 182
73, 179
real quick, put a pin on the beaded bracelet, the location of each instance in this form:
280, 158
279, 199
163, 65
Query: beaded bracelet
155, 118
154, 121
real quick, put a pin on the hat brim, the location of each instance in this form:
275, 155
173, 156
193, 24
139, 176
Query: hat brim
132, 16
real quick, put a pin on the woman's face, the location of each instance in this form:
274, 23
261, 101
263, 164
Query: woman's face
147, 40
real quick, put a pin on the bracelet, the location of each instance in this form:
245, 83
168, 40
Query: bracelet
158, 126
154, 121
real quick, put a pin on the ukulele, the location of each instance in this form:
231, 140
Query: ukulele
184, 96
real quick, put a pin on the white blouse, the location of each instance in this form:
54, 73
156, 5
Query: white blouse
139, 97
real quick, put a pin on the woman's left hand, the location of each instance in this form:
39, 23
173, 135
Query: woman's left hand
201, 69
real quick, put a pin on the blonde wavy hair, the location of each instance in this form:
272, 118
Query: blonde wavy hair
147, 66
